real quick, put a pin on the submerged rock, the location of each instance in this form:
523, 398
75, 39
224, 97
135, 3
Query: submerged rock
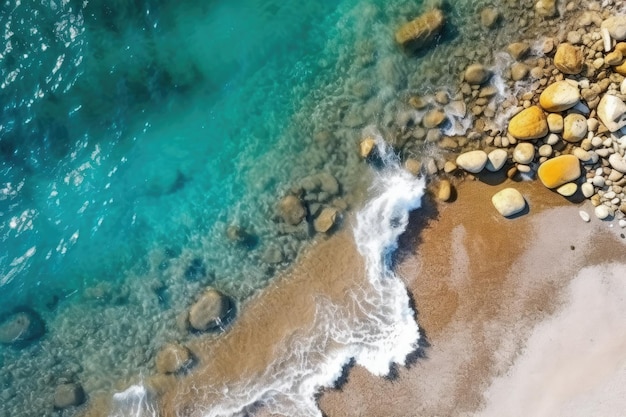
326, 220
419, 32
210, 311
172, 358
477, 74
67, 395
489, 17
292, 210
21, 327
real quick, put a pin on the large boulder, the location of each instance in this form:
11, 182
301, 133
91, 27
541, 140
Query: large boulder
209, 311
558, 171
419, 32
68, 395
612, 112
559, 96
21, 327
569, 59
292, 210
529, 124
172, 358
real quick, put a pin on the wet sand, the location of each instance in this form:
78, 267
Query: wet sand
500, 304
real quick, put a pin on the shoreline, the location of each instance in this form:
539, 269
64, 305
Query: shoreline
481, 285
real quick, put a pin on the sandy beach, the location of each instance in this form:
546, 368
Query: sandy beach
522, 316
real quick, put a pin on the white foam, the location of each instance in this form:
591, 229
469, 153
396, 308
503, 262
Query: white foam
133, 402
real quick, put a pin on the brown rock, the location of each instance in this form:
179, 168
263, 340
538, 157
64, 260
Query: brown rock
67, 395
614, 58
413, 166
489, 17
518, 50
366, 147
519, 71
291, 210
529, 124
209, 311
559, 96
433, 118
477, 74
546, 8
445, 190
419, 32
326, 220
172, 358
569, 59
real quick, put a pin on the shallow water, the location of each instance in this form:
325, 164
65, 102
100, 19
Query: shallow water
133, 135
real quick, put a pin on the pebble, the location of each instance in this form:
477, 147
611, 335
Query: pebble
618, 162
545, 150
602, 212
496, 159
472, 161
587, 189
508, 202
574, 127
524, 153
598, 181
585, 216
622, 223
555, 123
560, 170
581, 154
445, 190
567, 190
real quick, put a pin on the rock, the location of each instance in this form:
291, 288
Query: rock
445, 190
326, 220
496, 160
620, 69
614, 58
519, 71
273, 255
559, 170
574, 127
584, 215
587, 189
172, 358
433, 118
508, 202
472, 161
328, 183
545, 150
413, 166
489, 17
419, 32
366, 147
612, 112
518, 50
555, 123
616, 25
449, 167
67, 395
21, 327
524, 153
602, 212
211, 309
477, 74
529, 124
618, 162
567, 190
292, 210
568, 59
581, 154
559, 96
546, 8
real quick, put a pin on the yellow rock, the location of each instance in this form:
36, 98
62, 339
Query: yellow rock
621, 69
367, 146
529, 124
418, 32
558, 171
559, 96
568, 59
567, 190
445, 190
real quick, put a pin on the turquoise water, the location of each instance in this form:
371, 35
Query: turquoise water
133, 134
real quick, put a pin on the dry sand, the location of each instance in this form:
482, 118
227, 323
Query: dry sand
524, 316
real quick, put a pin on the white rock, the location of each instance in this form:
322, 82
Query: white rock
508, 202
598, 181
606, 38
584, 215
602, 212
567, 190
622, 223
472, 161
524, 153
622, 87
618, 162
612, 112
574, 127
616, 26
496, 159
581, 154
587, 189
553, 139
545, 150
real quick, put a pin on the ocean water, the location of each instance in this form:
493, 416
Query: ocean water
133, 135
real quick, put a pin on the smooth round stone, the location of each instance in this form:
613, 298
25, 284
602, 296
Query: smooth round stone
602, 212
598, 181
530, 123
581, 154
524, 169
622, 223
560, 170
21, 327
445, 190
472, 161
559, 96
524, 153
477, 74
584, 215
567, 190
209, 311
574, 127
519, 71
433, 118
518, 50
545, 150
618, 162
587, 189
496, 159
508, 202
413, 166
555, 123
